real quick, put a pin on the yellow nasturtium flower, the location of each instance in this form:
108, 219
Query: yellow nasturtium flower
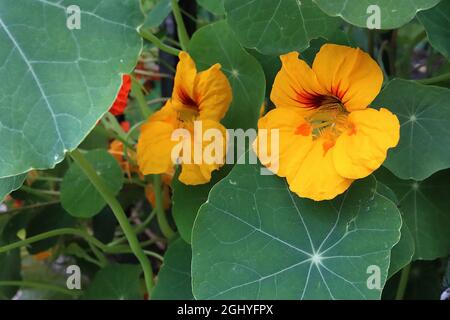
328, 137
197, 96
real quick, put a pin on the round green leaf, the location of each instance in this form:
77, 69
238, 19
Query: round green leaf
254, 239
436, 22
393, 14
278, 26
424, 113
425, 210
59, 82
115, 282
78, 196
174, 278
215, 6
10, 184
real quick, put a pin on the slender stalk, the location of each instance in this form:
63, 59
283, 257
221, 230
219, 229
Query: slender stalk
39, 192
147, 35
160, 213
157, 100
139, 95
51, 234
403, 283
38, 285
436, 79
115, 206
30, 207
181, 28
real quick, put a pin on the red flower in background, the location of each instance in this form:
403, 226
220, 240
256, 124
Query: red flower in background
121, 101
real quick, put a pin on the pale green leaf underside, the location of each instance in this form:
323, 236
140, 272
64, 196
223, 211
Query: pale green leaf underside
10, 184
424, 113
278, 26
56, 82
436, 22
393, 14
254, 239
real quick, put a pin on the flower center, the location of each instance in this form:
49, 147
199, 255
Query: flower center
188, 109
327, 121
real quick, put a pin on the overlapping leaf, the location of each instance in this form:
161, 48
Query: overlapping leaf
278, 26
10, 184
393, 14
57, 82
436, 22
425, 210
424, 113
174, 278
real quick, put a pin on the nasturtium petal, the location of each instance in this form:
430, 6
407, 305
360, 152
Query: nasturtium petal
349, 74
363, 147
392, 14
424, 113
254, 239
216, 43
58, 82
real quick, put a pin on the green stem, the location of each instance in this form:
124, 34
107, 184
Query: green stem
181, 28
38, 192
115, 206
137, 93
160, 213
51, 234
437, 79
38, 285
147, 35
403, 283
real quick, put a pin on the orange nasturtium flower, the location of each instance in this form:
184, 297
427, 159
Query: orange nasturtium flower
328, 137
197, 96
121, 101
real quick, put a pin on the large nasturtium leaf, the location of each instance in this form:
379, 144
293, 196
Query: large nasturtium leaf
278, 26
57, 82
174, 278
78, 196
116, 282
424, 206
393, 14
254, 239
215, 6
436, 22
10, 184
424, 113
212, 44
